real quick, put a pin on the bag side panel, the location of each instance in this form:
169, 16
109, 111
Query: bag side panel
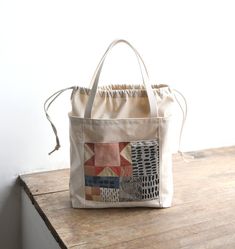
166, 174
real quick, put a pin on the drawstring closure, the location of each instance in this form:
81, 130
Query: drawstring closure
184, 113
47, 105
54, 96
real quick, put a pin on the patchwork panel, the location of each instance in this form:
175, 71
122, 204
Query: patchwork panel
124, 171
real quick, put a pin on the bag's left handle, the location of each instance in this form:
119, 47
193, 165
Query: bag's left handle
47, 105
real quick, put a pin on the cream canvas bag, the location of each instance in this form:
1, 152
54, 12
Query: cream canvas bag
120, 142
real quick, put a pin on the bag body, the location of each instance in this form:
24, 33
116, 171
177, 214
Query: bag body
120, 159
120, 143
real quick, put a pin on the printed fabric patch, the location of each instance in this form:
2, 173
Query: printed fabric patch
124, 171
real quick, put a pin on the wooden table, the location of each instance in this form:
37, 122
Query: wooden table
202, 216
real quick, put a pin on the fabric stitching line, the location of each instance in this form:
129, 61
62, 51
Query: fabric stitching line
83, 142
160, 164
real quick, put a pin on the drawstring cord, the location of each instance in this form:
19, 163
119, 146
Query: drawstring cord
47, 105
186, 158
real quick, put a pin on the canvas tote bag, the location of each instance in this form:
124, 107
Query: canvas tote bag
120, 142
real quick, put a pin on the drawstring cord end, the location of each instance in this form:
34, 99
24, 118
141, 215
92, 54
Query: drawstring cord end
56, 148
186, 157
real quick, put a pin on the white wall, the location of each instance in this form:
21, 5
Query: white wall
47, 45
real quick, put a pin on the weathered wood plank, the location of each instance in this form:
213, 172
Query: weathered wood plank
202, 215
47, 181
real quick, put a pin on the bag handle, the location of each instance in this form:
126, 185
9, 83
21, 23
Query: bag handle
139, 59
95, 81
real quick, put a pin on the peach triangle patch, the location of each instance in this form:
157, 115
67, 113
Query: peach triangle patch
107, 172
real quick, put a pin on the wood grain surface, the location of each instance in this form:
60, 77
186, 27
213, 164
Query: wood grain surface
202, 215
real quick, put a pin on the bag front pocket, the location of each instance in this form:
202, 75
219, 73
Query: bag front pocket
122, 171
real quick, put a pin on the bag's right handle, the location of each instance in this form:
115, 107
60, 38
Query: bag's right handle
95, 80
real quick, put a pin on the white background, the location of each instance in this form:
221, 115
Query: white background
49, 45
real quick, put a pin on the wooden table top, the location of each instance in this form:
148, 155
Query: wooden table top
202, 215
